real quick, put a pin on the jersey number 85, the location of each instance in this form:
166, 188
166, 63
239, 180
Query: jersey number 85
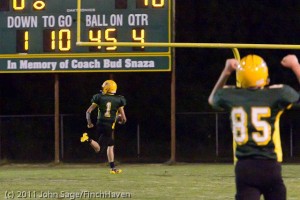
262, 134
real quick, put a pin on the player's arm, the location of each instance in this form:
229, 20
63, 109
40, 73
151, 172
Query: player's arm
88, 115
291, 61
230, 66
121, 111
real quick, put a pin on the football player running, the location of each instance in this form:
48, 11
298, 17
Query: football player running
110, 109
255, 109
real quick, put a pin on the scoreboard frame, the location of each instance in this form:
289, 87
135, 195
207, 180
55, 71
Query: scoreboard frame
158, 23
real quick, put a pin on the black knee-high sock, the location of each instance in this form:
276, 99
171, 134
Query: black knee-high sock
112, 165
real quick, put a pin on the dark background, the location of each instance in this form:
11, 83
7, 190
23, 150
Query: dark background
148, 94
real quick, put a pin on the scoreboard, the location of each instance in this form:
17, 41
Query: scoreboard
39, 36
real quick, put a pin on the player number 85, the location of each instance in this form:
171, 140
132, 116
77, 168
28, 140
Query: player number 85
239, 117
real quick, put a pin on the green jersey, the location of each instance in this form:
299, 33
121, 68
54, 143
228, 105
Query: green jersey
108, 106
254, 115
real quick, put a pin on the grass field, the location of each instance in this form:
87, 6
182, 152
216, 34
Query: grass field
138, 181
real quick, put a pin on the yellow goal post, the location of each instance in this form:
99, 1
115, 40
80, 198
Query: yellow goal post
233, 46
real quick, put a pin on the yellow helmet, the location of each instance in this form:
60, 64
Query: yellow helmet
109, 86
252, 72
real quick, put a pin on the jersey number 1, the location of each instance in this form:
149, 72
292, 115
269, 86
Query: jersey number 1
108, 109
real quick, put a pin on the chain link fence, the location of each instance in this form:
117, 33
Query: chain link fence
200, 137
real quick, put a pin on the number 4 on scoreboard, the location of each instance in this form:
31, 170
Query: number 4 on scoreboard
138, 35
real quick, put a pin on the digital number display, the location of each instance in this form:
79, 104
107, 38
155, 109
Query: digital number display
40, 35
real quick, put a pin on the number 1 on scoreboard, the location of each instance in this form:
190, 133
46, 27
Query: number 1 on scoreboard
22, 38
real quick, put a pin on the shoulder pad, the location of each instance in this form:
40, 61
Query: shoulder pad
229, 86
276, 86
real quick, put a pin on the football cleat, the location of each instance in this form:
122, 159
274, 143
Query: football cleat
115, 171
84, 138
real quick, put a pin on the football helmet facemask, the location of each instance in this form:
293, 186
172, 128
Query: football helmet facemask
252, 72
109, 86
